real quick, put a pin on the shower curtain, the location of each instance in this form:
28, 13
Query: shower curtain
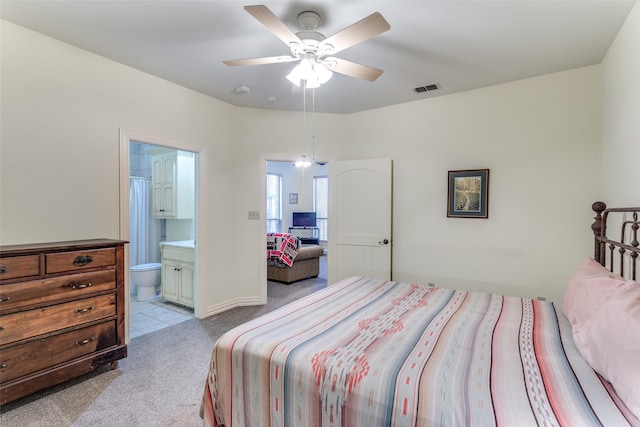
144, 230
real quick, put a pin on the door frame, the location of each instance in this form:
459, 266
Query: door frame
264, 158
200, 225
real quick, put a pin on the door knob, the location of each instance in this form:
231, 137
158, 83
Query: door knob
384, 242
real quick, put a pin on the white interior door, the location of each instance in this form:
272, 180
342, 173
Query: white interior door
359, 219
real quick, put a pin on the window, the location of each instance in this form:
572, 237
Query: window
274, 202
321, 204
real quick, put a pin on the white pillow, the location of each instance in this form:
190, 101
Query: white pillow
610, 342
587, 291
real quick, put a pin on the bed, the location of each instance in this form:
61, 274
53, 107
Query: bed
366, 352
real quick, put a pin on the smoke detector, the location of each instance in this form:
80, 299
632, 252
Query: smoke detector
242, 89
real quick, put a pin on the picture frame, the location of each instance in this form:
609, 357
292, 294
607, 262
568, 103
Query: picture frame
468, 194
293, 198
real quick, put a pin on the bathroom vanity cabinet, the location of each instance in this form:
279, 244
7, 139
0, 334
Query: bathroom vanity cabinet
61, 312
178, 260
173, 178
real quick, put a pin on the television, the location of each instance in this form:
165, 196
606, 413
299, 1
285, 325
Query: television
304, 219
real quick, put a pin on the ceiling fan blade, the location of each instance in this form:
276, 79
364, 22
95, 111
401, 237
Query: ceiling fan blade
352, 69
362, 30
273, 24
260, 61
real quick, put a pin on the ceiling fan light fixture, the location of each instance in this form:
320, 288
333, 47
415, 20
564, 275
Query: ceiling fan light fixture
295, 75
312, 72
322, 72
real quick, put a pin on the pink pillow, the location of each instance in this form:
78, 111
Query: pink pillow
587, 291
610, 342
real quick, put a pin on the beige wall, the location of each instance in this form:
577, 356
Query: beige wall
621, 116
540, 139
62, 108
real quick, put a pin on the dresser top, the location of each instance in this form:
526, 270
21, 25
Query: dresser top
59, 246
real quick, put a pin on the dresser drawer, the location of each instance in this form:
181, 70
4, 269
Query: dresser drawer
17, 295
40, 354
31, 323
19, 266
78, 260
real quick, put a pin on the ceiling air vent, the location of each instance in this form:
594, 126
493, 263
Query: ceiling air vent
427, 88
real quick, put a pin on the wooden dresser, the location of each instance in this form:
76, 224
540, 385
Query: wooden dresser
61, 312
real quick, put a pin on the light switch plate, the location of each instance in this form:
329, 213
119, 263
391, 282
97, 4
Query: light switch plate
254, 215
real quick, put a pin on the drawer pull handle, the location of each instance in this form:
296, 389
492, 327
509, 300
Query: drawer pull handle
4, 365
83, 310
4, 298
85, 341
74, 285
3, 269
83, 260
1, 328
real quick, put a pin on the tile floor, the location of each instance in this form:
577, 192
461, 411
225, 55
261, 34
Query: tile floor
149, 316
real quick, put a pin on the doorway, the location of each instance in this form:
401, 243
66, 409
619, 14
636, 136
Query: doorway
161, 203
287, 188
152, 234
295, 189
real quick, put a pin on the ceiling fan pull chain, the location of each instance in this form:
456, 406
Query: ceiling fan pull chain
313, 125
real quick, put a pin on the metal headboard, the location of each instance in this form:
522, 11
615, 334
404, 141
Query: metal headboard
627, 247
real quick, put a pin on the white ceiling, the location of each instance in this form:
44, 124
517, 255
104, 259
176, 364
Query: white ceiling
459, 45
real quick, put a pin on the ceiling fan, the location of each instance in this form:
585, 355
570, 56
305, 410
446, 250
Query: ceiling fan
313, 50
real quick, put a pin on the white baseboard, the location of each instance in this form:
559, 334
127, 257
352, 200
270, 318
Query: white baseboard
227, 305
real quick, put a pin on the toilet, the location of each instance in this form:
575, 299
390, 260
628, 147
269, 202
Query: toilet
146, 278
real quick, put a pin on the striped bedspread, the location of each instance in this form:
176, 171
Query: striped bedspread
365, 352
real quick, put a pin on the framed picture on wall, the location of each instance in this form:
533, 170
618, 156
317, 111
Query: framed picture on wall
293, 198
468, 194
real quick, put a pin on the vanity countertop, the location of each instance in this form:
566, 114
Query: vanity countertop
180, 243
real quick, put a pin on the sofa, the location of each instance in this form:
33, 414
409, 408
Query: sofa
288, 261
305, 265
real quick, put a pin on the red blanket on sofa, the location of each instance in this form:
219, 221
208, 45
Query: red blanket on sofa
282, 248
